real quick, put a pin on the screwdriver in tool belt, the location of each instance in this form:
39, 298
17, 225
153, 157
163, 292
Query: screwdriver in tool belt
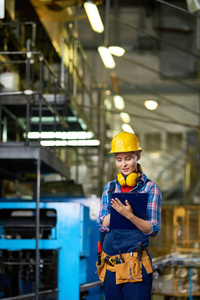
99, 253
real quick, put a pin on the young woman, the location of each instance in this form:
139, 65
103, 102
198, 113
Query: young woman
125, 265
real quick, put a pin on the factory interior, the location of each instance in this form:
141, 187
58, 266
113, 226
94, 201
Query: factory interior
61, 103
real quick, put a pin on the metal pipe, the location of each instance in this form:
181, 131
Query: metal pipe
37, 253
55, 101
27, 119
91, 285
19, 52
49, 67
62, 75
34, 27
13, 62
30, 296
28, 97
40, 92
28, 66
17, 93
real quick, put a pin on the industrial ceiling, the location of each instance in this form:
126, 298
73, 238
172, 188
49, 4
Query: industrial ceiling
161, 63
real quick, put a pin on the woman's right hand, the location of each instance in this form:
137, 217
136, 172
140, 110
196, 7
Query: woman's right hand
106, 220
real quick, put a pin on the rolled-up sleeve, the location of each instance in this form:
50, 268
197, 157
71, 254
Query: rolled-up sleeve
154, 209
104, 209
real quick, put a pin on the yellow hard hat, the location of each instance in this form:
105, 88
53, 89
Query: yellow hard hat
125, 142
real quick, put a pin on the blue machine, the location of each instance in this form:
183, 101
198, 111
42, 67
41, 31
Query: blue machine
69, 237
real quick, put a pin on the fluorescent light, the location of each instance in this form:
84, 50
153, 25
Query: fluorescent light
70, 143
53, 119
94, 16
107, 104
70, 135
2, 9
70, 11
128, 128
151, 104
84, 143
106, 57
117, 51
119, 102
53, 143
125, 117
155, 155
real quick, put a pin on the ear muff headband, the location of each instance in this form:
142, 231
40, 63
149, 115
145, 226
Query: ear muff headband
130, 180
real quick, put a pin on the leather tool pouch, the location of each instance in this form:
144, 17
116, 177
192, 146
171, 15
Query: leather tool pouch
101, 270
128, 271
147, 263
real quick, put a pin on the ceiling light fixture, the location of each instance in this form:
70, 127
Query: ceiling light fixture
93, 16
70, 135
151, 104
128, 128
58, 143
116, 50
106, 57
107, 104
154, 155
125, 117
2, 10
119, 102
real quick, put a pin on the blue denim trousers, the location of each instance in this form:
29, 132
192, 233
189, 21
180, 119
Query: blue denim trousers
128, 291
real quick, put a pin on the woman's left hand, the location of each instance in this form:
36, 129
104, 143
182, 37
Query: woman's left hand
124, 210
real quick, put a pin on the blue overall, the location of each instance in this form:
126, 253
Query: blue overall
125, 240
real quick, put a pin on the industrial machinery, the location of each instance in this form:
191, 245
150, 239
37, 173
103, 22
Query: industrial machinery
177, 275
64, 245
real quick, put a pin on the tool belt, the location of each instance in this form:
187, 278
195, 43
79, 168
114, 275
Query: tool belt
128, 271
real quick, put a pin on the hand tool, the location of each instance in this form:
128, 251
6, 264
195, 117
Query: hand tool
99, 253
120, 259
139, 251
110, 261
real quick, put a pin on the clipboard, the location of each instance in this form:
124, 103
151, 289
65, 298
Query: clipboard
138, 202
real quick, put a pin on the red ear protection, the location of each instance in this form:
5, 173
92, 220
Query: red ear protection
130, 180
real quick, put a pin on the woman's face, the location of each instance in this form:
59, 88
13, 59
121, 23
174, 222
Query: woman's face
126, 162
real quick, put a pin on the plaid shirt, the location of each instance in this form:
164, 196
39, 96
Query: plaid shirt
153, 205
